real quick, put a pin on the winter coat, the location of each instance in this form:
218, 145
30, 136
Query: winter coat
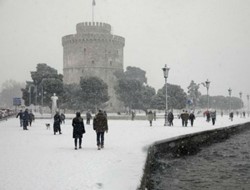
100, 123
170, 116
78, 127
191, 116
26, 118
150, 116
20, 115
184, 116
213, 115
57, 122
88, 115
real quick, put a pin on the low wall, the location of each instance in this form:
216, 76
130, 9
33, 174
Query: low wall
184, 145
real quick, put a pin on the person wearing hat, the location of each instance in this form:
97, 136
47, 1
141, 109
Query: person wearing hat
100, 125
78, 129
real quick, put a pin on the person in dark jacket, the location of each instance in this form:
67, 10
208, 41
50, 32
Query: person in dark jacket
57, 123
88, 117
100, 125
20, 115
184, 118
31, 117
170, 118
150, 117
78, 129
192, 118
213, 117
63, 117
26, 118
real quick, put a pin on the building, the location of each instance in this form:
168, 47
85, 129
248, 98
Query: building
94, 51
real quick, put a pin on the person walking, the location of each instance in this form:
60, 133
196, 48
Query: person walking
150, 116
20, 115
100, 125
57, 123
88, 117
231, 116
170, 118
31, 118
78, 129
26, 118
154, 115
213, 117
63, 118
184, 118
192, 118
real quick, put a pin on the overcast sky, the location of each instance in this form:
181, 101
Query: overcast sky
197, 39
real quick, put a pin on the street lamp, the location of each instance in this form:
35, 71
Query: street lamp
207, 86
165, 73
230, 93
241, 103
248, 105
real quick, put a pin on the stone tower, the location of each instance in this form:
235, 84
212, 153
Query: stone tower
93, 51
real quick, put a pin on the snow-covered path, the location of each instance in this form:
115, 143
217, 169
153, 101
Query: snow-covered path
37, 159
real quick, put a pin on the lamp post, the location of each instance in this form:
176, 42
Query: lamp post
207, 86
241, 104
230, 93
165, 73
248, 105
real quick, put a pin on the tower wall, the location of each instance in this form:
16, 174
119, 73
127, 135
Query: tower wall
93, 51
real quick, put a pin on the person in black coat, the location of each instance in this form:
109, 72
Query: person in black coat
192, 118
57, 123
78, 129
26, 118
170, 118
88, 117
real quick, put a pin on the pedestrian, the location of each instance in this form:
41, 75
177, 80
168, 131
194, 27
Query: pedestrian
184, 118
150, 117
78, 129
154, 115
170, 118
20, 115
26, 118
208, 116
63, 117
88, 117
231, 116
132, 115
100, 125
192, 118
213, 117
31, 118
57, 123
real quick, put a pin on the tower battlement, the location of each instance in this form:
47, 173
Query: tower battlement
93, 27
75, 38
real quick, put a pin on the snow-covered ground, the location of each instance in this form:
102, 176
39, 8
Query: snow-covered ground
38, 160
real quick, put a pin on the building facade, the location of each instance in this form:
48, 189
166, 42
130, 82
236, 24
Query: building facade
94, 52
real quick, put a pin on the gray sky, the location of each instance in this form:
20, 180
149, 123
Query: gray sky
197, 39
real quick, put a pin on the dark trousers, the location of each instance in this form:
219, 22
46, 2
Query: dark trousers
213, 121
80, 142
88, 121
100, 138
25, 124
192, 122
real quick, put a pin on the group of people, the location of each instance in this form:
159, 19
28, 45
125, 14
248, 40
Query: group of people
100, 125
26, 118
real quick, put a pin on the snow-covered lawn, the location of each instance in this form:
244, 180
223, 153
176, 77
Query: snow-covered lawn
38, 160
